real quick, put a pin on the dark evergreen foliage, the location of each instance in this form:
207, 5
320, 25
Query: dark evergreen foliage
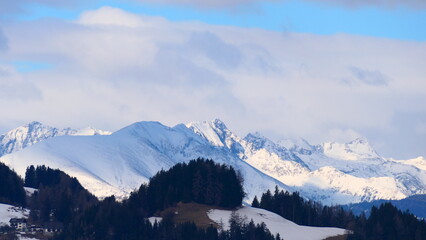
58, 195
200, 181
301, 211
386, 222
42, 175
11, 187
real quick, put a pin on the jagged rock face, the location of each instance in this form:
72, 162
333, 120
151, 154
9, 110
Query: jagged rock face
334, 173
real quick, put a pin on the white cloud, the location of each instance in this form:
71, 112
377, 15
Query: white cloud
112, 73
111, 16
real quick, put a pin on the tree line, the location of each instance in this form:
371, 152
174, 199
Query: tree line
201, 181
57, 197
11, 187
385, 222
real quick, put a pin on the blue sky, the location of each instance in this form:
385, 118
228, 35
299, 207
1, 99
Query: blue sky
324, 70
398, 22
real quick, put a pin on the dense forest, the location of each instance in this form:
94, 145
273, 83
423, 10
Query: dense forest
58, 195
384, 223
201, 181
11, 187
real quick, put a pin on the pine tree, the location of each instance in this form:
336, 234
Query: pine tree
30, 177
255, 202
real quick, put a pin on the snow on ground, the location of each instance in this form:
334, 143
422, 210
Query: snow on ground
419, 162
30, 191
153, 219
20, 237
8, 211
288, 230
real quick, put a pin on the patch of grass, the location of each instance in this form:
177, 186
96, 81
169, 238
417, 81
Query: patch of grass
340, 237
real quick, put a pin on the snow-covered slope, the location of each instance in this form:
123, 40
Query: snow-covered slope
120, 162
8, 211
419, 162
288, 230
336, 173
358, 149
333, 173
34, 132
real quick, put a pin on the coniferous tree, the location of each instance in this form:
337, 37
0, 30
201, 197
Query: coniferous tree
255, 202
11, 187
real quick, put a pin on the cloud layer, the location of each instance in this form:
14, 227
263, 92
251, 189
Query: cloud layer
348, 3
112, 68
377, 3
8, 7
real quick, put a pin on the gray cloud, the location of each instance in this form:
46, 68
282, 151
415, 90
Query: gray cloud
3, 42
12, 87
347, 3
208, 3
11, 7
19, 6
130, 68
380, 3
374, 78
390, 142
221, 53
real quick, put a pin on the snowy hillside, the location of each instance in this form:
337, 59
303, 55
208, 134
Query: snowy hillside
7, 212
288, 230
34, 132
120, 162
333, 173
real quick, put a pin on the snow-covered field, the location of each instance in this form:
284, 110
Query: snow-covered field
7, 212
288, 230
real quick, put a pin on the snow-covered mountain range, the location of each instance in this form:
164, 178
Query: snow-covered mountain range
117, 163
35, 132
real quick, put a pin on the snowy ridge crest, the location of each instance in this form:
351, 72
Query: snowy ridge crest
34, 132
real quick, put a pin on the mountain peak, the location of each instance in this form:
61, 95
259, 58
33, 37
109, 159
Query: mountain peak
33, 123
218, 123
356, 149
257, 139
298, 144
360, 140
34, 132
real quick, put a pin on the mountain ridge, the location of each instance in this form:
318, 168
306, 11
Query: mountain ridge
33, 132
120, 162
334, 173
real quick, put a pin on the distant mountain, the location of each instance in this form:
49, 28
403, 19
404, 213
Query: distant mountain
34, 132
415, 204
120, 162
330, 172
333, 173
